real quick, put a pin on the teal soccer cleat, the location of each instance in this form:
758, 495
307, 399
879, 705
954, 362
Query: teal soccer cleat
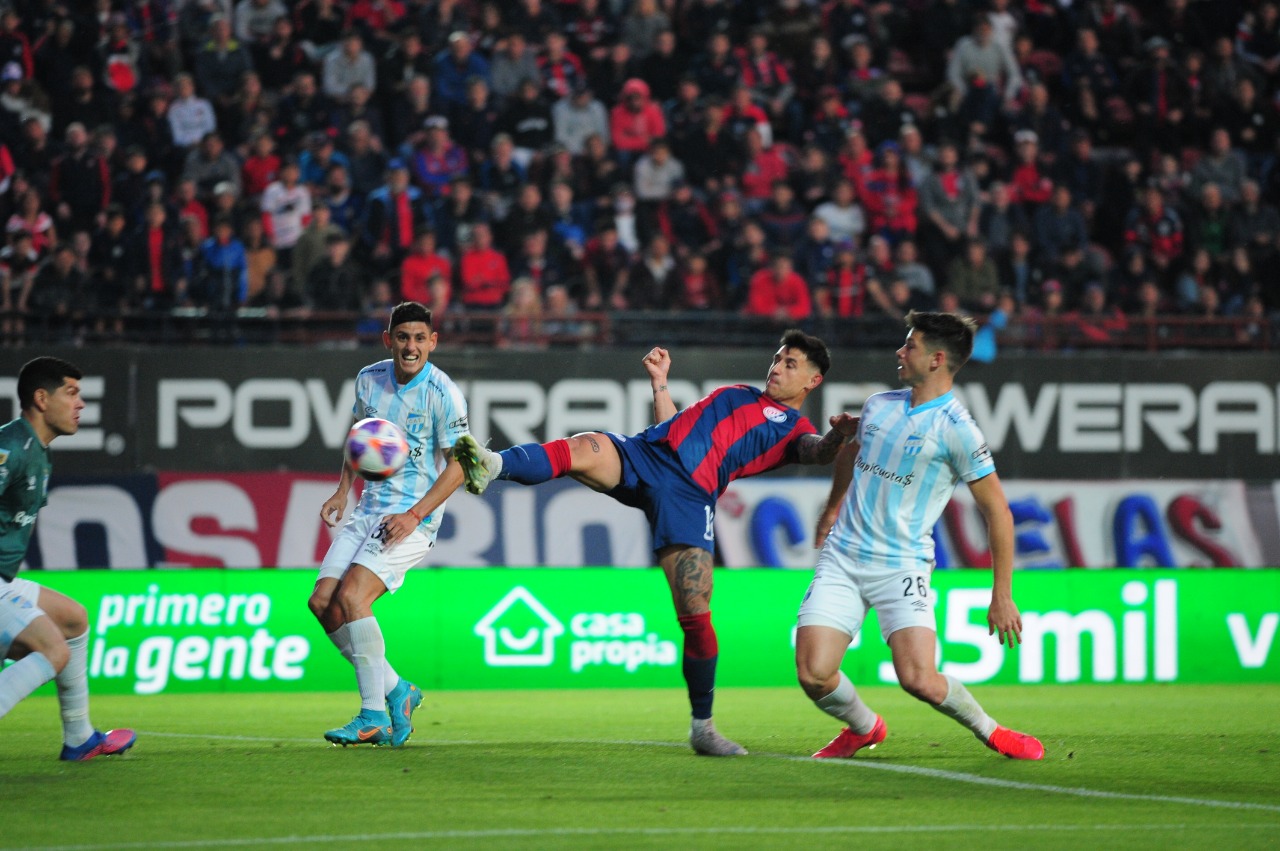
480, 466
404, 698
370, 727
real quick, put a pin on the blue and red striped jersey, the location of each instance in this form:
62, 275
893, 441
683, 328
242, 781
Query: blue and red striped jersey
735, 431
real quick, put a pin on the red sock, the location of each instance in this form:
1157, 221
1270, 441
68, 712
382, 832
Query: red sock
699, 636
560, 456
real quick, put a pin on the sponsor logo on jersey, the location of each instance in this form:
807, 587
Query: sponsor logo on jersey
982, 453
774, 415
459, 423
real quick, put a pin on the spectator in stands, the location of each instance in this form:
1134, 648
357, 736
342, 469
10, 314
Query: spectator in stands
559, 70
1098, 321
285, 54
842, 293
255, 21
454, 66
393, 213
717, 71
815, 252
191, 117
1156, 229
697, 287
686, 222
302, 112
222, 280
220, 66
1220, 165
982, 75
605, 268
424, 271
527, 120
917, 276
514, 62
209, 164
635, 122
520, 324
890, 197
310, 246
439, 160
286, 209
950, 206
359, 106
778, 293
350, 65
843, 214
782, 217
154, 260
336, 282
474, 124
452, 216
1208, 223
577, 116
484, 276
973, 279
664, 67
1060, 228
79, 183
653, 281
1160, 98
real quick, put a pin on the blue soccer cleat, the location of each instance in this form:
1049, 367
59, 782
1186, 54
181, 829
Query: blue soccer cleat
370, 727
404, 698
100, 744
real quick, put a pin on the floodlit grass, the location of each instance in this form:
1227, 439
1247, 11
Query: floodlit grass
1126, 767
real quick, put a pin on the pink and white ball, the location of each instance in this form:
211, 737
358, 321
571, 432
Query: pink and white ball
376, 449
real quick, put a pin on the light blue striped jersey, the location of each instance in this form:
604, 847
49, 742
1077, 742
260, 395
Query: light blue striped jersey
908, 466
432, 413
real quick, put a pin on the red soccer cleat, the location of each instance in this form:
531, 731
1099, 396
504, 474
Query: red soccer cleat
1015, 745
100, 744
849, 743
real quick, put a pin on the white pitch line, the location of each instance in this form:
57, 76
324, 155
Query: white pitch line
534, 833
878, 765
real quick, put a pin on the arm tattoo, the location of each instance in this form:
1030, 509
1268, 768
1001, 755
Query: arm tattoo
595, 446
810, 449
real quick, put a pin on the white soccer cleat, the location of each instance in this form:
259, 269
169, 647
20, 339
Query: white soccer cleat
707, 741
480, 465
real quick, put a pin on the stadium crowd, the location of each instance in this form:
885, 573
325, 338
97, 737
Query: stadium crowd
790, 160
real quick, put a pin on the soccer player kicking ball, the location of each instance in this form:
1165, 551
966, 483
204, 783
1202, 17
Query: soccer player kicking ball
46, 632
675, 471
393, 525
913, 446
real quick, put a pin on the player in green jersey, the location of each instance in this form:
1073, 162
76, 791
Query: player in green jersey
46, 632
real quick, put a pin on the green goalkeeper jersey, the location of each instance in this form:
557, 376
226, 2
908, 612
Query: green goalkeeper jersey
24, 489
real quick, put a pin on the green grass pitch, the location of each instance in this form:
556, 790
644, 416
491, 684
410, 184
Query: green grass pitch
1167, 767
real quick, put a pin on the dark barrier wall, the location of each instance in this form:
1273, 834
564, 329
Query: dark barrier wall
1045, 417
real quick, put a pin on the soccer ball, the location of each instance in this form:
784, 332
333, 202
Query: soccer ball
376, 449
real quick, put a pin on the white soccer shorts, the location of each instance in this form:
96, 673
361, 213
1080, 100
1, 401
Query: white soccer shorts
360, 542
19, 606
843, 590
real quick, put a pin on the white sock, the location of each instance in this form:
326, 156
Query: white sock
961, 706
369, 655
341, 638
844, 703
73, 693
23, 677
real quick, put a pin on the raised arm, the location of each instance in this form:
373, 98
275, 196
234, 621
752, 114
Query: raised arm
811, 449
1003, 618
657, 363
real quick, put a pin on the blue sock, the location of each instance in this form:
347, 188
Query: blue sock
527, 464
700, 677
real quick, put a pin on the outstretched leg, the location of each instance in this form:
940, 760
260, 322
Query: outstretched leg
913, 660
689, 574
591, 458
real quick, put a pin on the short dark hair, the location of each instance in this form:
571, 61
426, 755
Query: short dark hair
45, 373
814, 349
949, 332
409, 311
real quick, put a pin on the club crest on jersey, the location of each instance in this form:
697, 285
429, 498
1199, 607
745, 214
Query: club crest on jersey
414, 422
914, 444
774, 415
4, 456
